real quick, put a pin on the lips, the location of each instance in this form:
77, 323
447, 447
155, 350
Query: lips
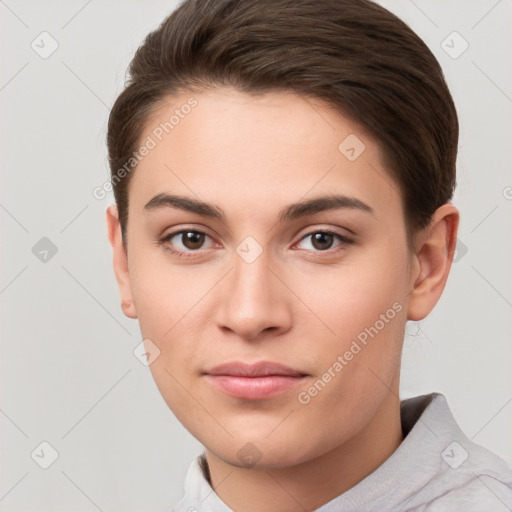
256, 381
261, 369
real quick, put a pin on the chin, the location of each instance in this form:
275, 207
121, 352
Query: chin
261, 456
266, 452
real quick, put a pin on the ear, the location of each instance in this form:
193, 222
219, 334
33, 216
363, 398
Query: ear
120, 262
432, 259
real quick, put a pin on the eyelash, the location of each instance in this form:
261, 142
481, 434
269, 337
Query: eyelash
191, 254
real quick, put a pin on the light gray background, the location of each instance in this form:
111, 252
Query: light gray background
68, 374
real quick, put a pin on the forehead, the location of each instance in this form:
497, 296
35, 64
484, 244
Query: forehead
251, 152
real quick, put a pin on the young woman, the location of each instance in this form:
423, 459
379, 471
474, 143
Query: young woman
283, 172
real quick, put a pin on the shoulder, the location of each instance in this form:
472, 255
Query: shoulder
463, 475
479, 492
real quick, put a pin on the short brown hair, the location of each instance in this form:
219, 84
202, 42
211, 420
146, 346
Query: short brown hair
354, 54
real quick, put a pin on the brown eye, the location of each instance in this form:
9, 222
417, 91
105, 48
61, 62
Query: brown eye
186, 242
192, 239
322, 241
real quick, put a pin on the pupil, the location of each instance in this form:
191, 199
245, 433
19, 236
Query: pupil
322, 240
192, 239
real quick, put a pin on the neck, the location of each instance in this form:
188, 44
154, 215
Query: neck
309, 485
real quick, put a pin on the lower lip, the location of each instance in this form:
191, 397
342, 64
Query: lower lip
254, 388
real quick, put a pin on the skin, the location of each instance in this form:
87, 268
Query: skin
298, 303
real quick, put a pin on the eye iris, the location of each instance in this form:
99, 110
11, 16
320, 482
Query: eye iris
322, 240
192, 239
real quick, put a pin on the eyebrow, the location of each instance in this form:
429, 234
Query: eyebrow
290, 212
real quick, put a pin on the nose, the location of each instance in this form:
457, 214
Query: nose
254, 302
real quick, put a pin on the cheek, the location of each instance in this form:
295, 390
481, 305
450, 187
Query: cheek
345, 301
163, 293
171, 302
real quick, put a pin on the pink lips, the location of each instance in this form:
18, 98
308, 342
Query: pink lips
253, 381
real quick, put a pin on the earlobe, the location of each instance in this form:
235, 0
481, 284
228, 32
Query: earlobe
120, 262
433, 258
128, 308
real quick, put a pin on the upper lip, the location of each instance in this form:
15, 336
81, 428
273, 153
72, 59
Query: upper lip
260, 369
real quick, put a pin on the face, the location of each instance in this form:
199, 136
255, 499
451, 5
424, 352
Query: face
240, 262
